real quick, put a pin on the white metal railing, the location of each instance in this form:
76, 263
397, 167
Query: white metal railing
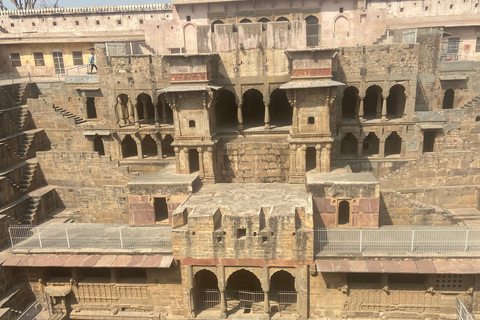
77, 68
399, 239
102, 236
94, 9
207, 299
41, 309
461, 311
283, 301
251, 301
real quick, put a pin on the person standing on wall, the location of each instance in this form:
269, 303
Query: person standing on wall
92, 63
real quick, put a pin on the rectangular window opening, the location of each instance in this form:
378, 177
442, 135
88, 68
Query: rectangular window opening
241, 233
161, 209
39, 60
77, 58
16, 61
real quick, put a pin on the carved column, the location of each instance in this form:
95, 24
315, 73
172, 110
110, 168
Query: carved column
381, 148
138, 140
222, 288
318, 154
201, 168
239, 117
135, 111
359, 148
189, 287
293, 158
185, 162
403, 149
130, 110
303, 162
157, 117
361, 111
209, 168
177, 159
267, 115
384, 109
266, 289
326, 158
158, 140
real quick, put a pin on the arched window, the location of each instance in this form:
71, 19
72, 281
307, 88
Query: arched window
343, 212
129, 147
226, 109
264, 23
393, 144
149, 146
282, 19
145, 107
396, 101
215, 23
245, 20
253, 108
350, 102
348, 147
448, 99
313, 31
98, 145
371, 144
372, 104
281, 112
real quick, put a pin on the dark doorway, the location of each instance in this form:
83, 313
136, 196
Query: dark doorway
206, 291
226, 109
243, 280
396, 101
429, 140
282, 281
448, 99
311, 161
149, 146
393, 144
167, 148
373, 97
91, 110
349, 102
343, 212
371, 144
129, 147
98, 145
215, 23
253, 109
161, 209
193, 160
281, 112
313, 31
348, 147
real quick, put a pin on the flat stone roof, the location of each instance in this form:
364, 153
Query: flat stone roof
341, 178
165, 176
248, 198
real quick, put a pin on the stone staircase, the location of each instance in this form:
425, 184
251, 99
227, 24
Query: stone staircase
27, 142
475, 102
382, 38
68, 114
29, 174
29, 216
21, 119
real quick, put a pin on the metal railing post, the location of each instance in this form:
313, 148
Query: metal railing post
10, 234
131, 48
121, 239
361, 237
413, 239
68, 240
39, 238
466, 240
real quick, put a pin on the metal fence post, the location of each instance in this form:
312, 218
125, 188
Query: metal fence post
68, 240
39, 238
466, 240
413, 239
10, 233
121, 239
361, 237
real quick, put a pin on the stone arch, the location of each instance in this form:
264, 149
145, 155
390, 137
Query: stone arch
129, 147
448, 99
98, 145
123, 114
167, 148
281, 112
205, 290
282, 19
264, 22
371, 144
226, 109
343, 212
396, 101
372, 104
190, 38
215, 23
313, 31
340, 25
393, 144
205, 279
243, 280
149, 146
145, 107
350, 102
168, 110
245, 20
253, 108
349, 145
282, 281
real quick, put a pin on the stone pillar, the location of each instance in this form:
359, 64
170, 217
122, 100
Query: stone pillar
201, 168
164, 108
267, 115
138, 140
135, 111
157, 117
381, 148
239, 117
326, 158
266, 289
384, 109
185, 161
189, 288
295, 120
131, 112
379, 105
222, 288
158, 140
303, 163
266, 303
177, 159
318, 154
403, 150
301, 286
359, 148
361, 111
209, 167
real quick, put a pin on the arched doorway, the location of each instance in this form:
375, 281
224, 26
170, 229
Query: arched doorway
207, 295
343, 213
396, 101
215, 23
283, 296
348, 147
264, 22
393, 144
145, 107
253, 109
313, 31
98, 145
129, 147
91, 109
371, 144
448, 99
167, 148
350, 102
372, 104
149, 146
190, 38
226, 109
244, 292
281, 112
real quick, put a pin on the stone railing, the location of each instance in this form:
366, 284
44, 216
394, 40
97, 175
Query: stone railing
82, 10
110, 292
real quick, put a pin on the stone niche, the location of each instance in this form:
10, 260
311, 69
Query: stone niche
191, 68
344, 199
312, 63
